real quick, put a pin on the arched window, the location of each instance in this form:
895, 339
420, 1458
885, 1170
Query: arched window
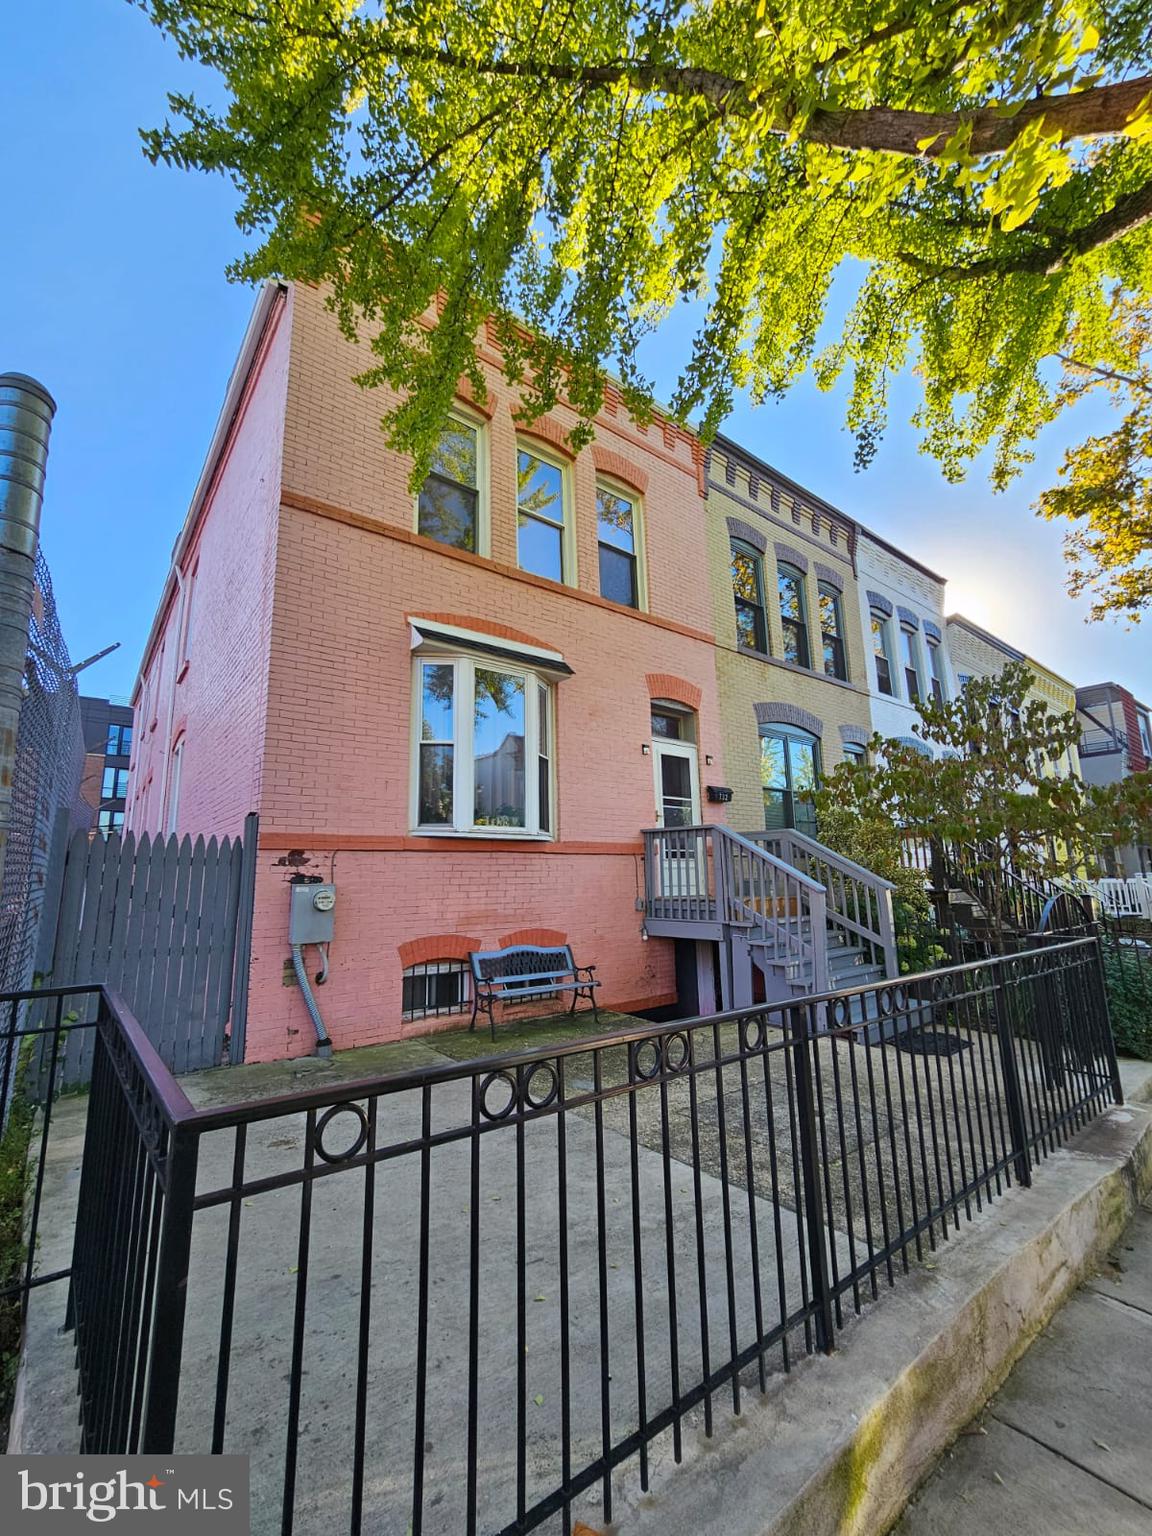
789, 776
748, 592
793, 615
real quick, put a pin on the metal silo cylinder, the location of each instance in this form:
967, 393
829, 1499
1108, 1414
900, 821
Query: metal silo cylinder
26, 412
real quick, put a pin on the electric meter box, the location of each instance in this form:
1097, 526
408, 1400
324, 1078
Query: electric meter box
312, 916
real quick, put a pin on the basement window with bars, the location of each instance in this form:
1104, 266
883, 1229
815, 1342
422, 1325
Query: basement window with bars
436, 987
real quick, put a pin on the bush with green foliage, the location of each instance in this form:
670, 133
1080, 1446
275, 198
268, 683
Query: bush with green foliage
862, 830
1128, 979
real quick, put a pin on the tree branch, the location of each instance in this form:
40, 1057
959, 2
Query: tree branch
1127, 214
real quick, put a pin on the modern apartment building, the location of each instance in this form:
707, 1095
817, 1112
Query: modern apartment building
460, 707
902, 611
107, 730
1115, 741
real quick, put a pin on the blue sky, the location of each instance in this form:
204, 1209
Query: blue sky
112, 292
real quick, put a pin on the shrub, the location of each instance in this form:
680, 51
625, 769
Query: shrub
1128, 979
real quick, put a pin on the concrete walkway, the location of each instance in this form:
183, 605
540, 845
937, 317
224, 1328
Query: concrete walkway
1063, 1448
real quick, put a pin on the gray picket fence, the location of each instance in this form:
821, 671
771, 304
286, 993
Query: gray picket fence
166, 922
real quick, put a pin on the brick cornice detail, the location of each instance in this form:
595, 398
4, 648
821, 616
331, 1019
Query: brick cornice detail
482, 627
663, 685
436, 946
615, 464
546, 937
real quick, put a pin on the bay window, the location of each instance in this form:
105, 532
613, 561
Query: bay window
448, 505
483, 758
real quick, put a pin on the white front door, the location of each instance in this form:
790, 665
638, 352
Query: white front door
682, 855
677, 784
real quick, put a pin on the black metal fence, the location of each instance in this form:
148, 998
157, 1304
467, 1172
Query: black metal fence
34, 1031
490, 1296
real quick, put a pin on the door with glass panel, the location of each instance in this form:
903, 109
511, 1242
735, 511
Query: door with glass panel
790, 775
677, 783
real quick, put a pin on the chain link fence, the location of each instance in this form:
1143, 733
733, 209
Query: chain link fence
46, 803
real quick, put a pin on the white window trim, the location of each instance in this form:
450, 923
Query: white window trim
463, 780
639, 538
473, 419
915, 651
569, 572
885, 623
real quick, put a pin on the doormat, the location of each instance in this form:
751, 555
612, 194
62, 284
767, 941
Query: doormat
932, 1042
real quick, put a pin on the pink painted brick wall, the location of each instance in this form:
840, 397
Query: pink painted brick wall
296, 699
217, 703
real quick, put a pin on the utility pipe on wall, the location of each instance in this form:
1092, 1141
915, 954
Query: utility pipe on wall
26, 412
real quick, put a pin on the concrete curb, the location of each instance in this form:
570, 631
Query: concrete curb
839, 1447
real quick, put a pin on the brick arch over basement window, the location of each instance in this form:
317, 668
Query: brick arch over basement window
482, 627
545, 431
662, 685
620, 468
546, 938
436, 946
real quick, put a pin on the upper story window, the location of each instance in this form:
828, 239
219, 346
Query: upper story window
542, 506
855, 755
881, 654
936, 671
108, 822
448, 506
1145, 733
832, 632
793, 614
618, 532
119, 743
748, 592
911, 662
483, 748
115, 785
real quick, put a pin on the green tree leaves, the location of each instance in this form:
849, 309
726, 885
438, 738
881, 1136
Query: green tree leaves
982, 172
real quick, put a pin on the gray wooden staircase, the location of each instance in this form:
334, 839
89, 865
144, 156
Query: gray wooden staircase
779, 904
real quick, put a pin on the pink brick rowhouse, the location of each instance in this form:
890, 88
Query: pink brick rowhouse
430, 701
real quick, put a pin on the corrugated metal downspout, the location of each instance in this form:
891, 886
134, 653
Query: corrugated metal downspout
26, 412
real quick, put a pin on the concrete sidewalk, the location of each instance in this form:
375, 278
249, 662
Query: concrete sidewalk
1063, 1448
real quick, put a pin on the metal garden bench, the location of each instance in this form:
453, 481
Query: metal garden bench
527, 970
